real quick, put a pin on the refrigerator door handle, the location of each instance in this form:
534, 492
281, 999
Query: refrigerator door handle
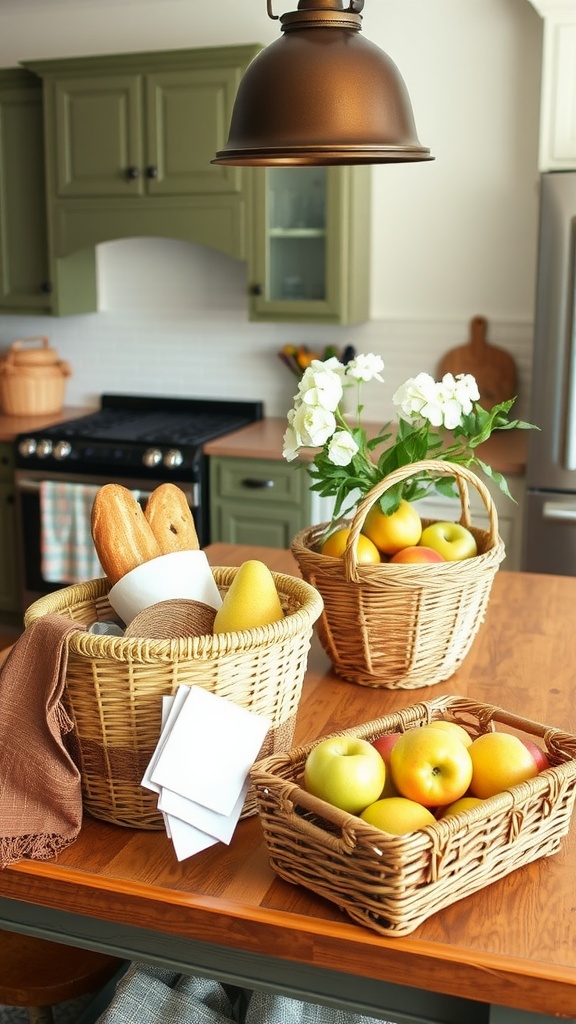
559, 512
570, 419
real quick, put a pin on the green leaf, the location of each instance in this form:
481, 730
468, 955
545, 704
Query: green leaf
498, 479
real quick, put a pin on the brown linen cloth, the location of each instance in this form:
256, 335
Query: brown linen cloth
40, 795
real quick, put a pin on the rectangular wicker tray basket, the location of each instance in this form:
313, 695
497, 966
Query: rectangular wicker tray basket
390, 883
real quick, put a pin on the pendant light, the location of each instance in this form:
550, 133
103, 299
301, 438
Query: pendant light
321, 94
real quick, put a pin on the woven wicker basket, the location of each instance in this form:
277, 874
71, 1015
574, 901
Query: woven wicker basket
114, 686
402, 625
390, 883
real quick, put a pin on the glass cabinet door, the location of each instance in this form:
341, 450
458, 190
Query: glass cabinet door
296, 233
304, 263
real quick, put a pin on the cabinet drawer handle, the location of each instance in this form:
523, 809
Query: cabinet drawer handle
257, 485
132, 173
151, 172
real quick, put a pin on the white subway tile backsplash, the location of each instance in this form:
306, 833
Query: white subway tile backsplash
173, 320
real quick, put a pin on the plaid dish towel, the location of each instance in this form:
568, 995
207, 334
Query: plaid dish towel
67, 548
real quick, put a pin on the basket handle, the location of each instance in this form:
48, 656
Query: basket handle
463, 477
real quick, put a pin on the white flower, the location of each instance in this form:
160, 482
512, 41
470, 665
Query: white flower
465, 391
366, 367
291, 444
321, 385
342, 448
443, 404
313, 425
415, 394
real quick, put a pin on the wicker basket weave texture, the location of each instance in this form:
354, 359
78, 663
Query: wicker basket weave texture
114, 687
391, 884
408, 625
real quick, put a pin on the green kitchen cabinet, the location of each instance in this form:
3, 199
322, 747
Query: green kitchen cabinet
129, 144
263, 502
9, 603
309, 255
24, 286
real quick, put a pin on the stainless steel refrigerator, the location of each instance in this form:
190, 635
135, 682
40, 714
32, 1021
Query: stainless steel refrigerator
549, 541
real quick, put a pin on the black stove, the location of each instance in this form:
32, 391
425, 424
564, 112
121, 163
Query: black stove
154, 438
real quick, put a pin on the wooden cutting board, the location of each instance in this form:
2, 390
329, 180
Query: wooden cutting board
493, 368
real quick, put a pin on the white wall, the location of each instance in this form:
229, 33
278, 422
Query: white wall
451, 238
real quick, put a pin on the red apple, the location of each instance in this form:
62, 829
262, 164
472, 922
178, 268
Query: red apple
539, 755
384, 745
417, 553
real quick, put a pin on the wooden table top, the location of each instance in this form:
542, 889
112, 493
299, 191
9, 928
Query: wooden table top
510, 944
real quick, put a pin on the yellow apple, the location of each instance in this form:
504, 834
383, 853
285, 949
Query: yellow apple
465, 803
346, 771
457, 730
401, 529
335, 545
452, 540
431, 766
499, 760
397, 815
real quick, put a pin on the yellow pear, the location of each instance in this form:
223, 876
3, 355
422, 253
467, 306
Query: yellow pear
252, 600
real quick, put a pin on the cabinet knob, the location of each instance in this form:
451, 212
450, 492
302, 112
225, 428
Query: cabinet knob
46, 287
256, 289
132, 173
151, 172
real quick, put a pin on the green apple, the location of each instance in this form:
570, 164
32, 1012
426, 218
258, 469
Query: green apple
346, 771
452, 540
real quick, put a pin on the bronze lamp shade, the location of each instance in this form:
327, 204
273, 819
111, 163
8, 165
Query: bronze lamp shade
322, 94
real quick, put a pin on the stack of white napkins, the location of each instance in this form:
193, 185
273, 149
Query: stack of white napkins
200, 767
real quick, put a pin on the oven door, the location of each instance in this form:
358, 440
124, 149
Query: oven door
29, 526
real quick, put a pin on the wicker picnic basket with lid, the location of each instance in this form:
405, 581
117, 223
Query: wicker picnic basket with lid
114, 687
393, 883
402, 625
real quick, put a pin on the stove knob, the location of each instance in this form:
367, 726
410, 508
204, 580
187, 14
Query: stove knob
152, 457
27, 447
44, 448
62, 449
173, 458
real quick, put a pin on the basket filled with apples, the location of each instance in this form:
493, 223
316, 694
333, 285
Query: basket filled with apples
403, 597
411, 592
400, 817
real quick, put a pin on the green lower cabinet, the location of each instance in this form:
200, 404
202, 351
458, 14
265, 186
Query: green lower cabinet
9, 597
262, 502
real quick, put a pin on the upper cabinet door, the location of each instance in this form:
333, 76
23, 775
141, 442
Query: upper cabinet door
24, 283
98, 128
310, 244
188, 112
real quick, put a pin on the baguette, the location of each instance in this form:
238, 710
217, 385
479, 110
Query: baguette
170, 519
122, 536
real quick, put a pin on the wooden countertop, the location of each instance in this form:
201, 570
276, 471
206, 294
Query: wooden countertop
10, 426
511, 944
505, 451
